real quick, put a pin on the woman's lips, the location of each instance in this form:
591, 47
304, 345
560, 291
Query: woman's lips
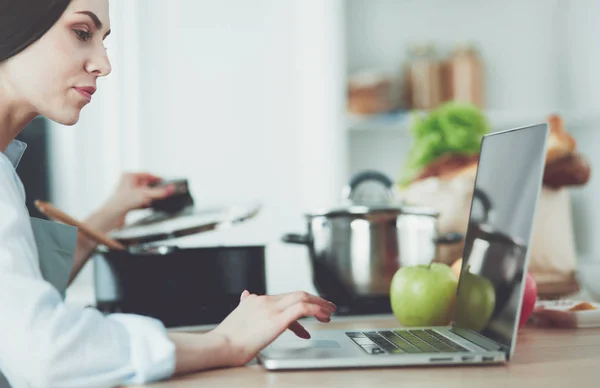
86, 92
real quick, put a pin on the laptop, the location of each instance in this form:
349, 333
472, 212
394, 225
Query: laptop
509, 179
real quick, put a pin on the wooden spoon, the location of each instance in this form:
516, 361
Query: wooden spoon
60, 216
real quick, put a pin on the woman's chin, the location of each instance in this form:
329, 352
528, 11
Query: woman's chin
70, 121
69, 118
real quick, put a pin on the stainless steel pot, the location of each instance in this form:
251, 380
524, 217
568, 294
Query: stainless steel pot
355, 251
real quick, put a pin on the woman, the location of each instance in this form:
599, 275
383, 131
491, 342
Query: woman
51, 55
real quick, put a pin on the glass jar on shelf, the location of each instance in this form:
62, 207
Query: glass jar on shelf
464, 75
423, 86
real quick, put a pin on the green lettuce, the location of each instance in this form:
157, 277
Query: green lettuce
454, 127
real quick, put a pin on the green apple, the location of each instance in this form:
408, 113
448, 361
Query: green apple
475, 301
423, 295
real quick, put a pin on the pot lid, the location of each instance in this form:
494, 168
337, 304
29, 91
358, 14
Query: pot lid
376, 209
370, 192
369, 188
160, 226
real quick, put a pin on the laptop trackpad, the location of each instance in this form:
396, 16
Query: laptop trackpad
304, 349
300, 345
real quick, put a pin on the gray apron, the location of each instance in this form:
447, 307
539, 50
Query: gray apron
56, 250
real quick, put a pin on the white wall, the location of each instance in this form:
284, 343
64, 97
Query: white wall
580, 60
247, 109
582, 91
242, 98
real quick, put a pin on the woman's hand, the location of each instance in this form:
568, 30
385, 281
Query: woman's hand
259, 320
134, 192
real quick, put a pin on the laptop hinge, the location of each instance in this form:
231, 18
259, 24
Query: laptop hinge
479, 339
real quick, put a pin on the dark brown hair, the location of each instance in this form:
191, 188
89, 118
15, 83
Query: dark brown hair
22, 22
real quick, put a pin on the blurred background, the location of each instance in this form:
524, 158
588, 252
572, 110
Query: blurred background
283, 101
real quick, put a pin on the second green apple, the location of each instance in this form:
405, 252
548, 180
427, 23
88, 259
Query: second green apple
476, 301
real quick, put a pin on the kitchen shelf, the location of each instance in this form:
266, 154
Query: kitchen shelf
499, 120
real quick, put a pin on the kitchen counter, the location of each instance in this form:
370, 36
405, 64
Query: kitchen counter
543, 358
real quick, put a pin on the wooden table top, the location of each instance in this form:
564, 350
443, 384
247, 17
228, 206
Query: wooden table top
543, 358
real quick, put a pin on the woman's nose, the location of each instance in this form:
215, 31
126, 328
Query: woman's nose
99, 65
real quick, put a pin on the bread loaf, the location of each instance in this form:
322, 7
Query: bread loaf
560, 144
571, 170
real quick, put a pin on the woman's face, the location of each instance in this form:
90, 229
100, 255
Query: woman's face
57, 74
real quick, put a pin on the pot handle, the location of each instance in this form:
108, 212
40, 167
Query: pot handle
370, 175
485, 202
292, 238
365, 176
449, 238
150, 249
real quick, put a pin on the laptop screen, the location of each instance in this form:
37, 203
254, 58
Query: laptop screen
495, 256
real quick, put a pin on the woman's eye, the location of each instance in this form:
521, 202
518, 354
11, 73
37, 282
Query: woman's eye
83, 35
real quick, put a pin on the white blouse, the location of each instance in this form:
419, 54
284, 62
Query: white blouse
45, 342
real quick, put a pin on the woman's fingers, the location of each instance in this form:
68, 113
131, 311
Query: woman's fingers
159, 192
288, 300
326, 318
244, 295
299, 330
145, 176
290, 307
303, 309
323, 314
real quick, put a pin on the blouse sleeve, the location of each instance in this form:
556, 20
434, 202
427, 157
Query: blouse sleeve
46, 342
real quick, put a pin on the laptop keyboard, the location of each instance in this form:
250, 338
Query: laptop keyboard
404, 341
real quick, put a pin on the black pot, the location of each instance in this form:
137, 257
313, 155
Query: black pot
178, 286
